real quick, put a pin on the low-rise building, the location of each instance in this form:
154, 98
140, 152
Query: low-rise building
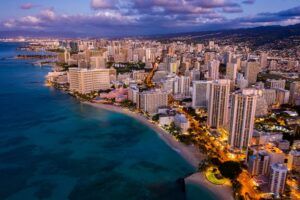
182, 122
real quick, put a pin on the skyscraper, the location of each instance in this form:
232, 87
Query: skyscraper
218, 103
295, 93
184, 86
200, 94
97, 62
85, 81
231, 71
213, 69
263, 60
277, 178
294, 160
251, 70
150, 101
258, 164
243, 106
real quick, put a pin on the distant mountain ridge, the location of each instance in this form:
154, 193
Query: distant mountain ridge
255, 37
277, 37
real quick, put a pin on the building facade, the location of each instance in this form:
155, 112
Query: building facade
88, 80
218, 103
242, 115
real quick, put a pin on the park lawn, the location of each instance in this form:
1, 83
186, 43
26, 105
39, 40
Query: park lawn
210, 175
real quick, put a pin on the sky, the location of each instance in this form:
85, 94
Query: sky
141, 17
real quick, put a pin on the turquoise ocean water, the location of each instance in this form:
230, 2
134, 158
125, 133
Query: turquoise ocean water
53, 147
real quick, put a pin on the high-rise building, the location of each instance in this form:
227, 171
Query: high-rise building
213, 69
200, 94
294, 160
241, 82
261, 105
85, 81
218, 103
237, 61
133, 94
258, 163
184, 86
173, 67
277, 178
270, 96
251, 70
276, 84
195, 75
63, 57
282, 96
228, 57
243, 106
150, 101
295, 93
97, 62
231, 71
263, 60
211, 44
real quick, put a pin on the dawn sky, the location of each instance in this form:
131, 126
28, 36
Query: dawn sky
140, 17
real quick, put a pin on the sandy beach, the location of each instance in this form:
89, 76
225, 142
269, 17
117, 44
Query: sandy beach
190, 153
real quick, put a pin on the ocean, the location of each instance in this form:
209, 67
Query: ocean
54, 147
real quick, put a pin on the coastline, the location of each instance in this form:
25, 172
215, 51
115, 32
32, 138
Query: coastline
219, 191
190, 153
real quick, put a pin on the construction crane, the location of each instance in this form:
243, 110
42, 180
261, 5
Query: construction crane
148, 79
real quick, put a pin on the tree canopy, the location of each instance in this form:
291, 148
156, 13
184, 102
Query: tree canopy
230, 169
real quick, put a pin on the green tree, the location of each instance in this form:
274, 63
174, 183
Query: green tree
230, 169
155, 117
174, 130
203, 165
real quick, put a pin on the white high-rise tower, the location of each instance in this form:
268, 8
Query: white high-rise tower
218, 103
243, 106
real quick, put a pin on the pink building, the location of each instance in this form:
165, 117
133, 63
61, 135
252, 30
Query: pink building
119, 94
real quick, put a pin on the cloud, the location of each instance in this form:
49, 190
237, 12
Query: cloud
137, 17
284, 17
103, 4
232, 10
248, 1
27, 6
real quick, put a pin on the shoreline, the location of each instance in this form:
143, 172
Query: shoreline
219, 191
189, 153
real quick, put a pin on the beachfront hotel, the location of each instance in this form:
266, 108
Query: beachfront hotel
87, 80
243, 106
150, 101
218, 103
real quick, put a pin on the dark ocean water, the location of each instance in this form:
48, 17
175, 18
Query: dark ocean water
53, 147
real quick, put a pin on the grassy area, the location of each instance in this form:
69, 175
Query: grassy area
127, 67
211, 174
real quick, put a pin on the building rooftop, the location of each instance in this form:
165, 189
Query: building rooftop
279, 166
